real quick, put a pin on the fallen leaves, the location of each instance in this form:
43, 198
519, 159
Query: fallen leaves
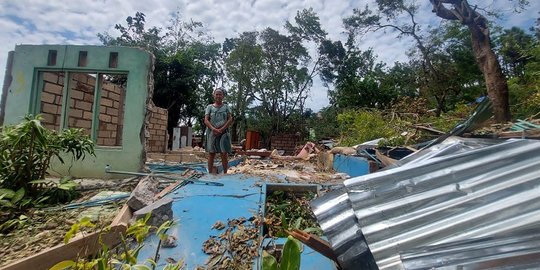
219, 225
235, 247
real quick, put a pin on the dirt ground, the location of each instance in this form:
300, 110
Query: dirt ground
44, 229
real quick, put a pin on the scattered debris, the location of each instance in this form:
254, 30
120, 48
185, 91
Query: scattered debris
144, 193
289, 210
236, 247
169, 242
218, 225
160, 210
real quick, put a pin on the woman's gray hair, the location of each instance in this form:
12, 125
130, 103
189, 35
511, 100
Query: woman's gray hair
219, 89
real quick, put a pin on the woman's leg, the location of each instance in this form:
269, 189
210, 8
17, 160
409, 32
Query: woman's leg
225, 162
211, 157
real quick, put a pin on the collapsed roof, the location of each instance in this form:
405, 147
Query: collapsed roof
454, 191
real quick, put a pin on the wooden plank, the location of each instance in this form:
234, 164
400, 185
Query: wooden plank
432, 130
385, 160
123, 216
168, 189
79, 247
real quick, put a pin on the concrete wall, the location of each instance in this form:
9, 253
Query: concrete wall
114, 114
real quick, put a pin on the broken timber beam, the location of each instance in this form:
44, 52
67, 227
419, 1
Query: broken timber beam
385, 160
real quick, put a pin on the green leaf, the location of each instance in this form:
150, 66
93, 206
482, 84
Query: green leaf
269, 262
290, 256
297, 223
7, 193
72, 231
6, 203
63, 265
101, 264
284, 223
18, 195
141, 267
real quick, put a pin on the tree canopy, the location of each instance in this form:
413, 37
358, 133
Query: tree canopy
269, 74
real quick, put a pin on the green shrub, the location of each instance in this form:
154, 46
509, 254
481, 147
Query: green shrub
27, 149
358, 126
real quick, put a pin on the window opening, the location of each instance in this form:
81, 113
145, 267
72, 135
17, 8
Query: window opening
111, 109
52, 86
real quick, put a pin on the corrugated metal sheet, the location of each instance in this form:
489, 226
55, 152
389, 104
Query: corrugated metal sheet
521, 251
459, 190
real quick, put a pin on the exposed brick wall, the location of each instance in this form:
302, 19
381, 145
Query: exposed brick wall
51, 99
111, 114
82, 87
157, 142
81, 94
287, 142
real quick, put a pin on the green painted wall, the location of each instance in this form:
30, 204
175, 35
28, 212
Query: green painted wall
22, 98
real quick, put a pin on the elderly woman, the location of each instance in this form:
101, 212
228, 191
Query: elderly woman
217, 119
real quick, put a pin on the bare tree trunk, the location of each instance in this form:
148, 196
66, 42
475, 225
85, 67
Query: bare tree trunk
496, 84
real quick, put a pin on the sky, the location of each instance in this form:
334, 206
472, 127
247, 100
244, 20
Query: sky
78, 22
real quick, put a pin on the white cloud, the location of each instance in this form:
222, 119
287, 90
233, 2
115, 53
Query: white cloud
46, 22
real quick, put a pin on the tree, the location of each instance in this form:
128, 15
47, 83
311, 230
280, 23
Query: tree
272, 72
243, 65
514, 44
497, 88
400, 16
135, 35
355, 75
186, 64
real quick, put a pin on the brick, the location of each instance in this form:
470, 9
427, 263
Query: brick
49, 108
58, 100
89, 97
104, 134
114, 119
76, 113
87, 106
114, 96
48, 118
111, 127
105, 118
107, 86
111, 111
50, 77
102, 109
116, 104
88, 115
106, 102
53, 88
117, 89
83, 123
47, 97
76, 94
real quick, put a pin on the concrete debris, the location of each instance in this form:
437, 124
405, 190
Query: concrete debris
169, 242
343, 150
144, 193
160, 210
308, 151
